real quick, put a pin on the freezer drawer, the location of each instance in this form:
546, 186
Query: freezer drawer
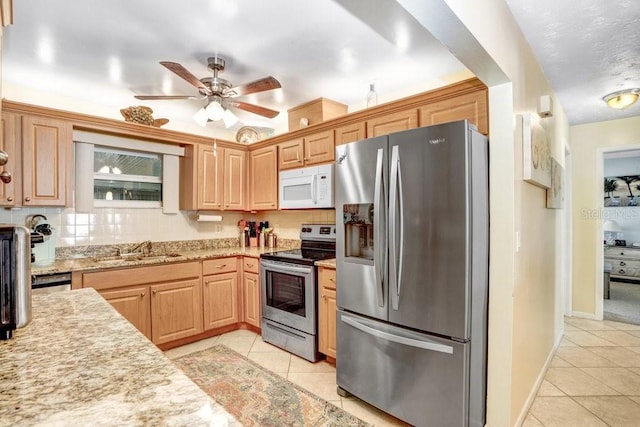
418, 378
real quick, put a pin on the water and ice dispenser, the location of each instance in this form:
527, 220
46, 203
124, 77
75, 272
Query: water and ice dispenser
358, 226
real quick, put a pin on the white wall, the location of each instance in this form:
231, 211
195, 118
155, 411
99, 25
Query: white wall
592, 140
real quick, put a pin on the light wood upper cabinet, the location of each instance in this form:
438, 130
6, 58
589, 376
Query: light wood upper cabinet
263, 178
327, 311
319, 148
133, 304
472, 107
234, 179
8, 195
291, 154
212, 178
47, 161
350, 133
310, 150
394, 122
176, 310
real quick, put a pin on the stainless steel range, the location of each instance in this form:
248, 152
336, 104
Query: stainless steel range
289, 290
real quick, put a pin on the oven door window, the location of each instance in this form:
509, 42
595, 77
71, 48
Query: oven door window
286, 292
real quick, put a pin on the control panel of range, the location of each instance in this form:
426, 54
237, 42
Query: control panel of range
318, 232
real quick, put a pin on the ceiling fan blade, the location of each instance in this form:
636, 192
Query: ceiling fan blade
186, 75
261, 85
151, 97
255, 109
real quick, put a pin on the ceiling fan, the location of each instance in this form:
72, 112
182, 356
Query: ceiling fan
219, 93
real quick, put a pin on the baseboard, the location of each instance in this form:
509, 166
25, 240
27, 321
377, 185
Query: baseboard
584, 315
538, 383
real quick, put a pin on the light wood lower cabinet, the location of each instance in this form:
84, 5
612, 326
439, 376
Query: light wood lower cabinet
327, 311
176, 310
220, 300
251, 291
220, 292
133, 305
164, 302
172, 302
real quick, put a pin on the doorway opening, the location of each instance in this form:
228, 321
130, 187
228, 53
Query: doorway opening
621, 236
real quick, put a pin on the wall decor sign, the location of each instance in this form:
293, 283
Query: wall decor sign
555, 194
621, 191
536, 152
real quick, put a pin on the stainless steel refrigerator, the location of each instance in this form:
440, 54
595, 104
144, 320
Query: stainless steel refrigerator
412, 270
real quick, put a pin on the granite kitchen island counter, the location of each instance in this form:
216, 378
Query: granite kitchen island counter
80, 363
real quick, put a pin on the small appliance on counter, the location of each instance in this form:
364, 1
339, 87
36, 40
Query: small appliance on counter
15, 279
44, 240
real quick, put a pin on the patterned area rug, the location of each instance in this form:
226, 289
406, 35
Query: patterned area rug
255, 396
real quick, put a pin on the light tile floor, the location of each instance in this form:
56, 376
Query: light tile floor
593, 379
319, 378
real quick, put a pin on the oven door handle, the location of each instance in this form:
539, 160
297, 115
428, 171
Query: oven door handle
287, 268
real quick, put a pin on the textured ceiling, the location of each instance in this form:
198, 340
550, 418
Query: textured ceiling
587, 49
106, 52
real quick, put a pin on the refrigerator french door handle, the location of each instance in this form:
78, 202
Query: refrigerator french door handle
394, 204
424, 343
401, 251
378, 227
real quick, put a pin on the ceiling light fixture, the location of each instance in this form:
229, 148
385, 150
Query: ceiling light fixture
214, 111
622, 99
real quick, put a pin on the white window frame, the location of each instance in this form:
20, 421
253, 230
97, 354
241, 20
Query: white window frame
84, 148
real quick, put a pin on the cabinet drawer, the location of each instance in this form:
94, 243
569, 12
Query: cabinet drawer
218, 265
625, 272
617, 263
327, 277
622, 252
251, 265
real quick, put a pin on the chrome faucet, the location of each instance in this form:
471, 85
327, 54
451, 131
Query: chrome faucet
144, 248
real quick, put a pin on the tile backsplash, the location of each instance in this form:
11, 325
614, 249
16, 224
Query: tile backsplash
105, 226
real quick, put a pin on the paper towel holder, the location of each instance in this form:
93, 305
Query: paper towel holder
207, 217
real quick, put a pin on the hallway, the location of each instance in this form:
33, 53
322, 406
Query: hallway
593, 379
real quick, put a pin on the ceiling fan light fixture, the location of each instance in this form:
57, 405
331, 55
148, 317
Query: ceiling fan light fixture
201, 117
215, 111
229, 118
622, 99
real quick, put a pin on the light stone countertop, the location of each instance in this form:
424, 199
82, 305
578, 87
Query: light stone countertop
329, 263
78, 362
83, 264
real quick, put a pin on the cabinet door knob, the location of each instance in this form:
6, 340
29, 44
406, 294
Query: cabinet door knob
622, 263
5, 177
332, 279
221, 266
27, 199
142, 295
154, 292
621, 271
9, 199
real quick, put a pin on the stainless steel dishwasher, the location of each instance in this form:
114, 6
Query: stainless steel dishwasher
48, 283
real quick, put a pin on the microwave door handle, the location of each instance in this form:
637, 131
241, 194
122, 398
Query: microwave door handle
314, 184
378, 227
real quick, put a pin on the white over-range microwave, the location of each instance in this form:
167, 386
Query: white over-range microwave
305, 188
